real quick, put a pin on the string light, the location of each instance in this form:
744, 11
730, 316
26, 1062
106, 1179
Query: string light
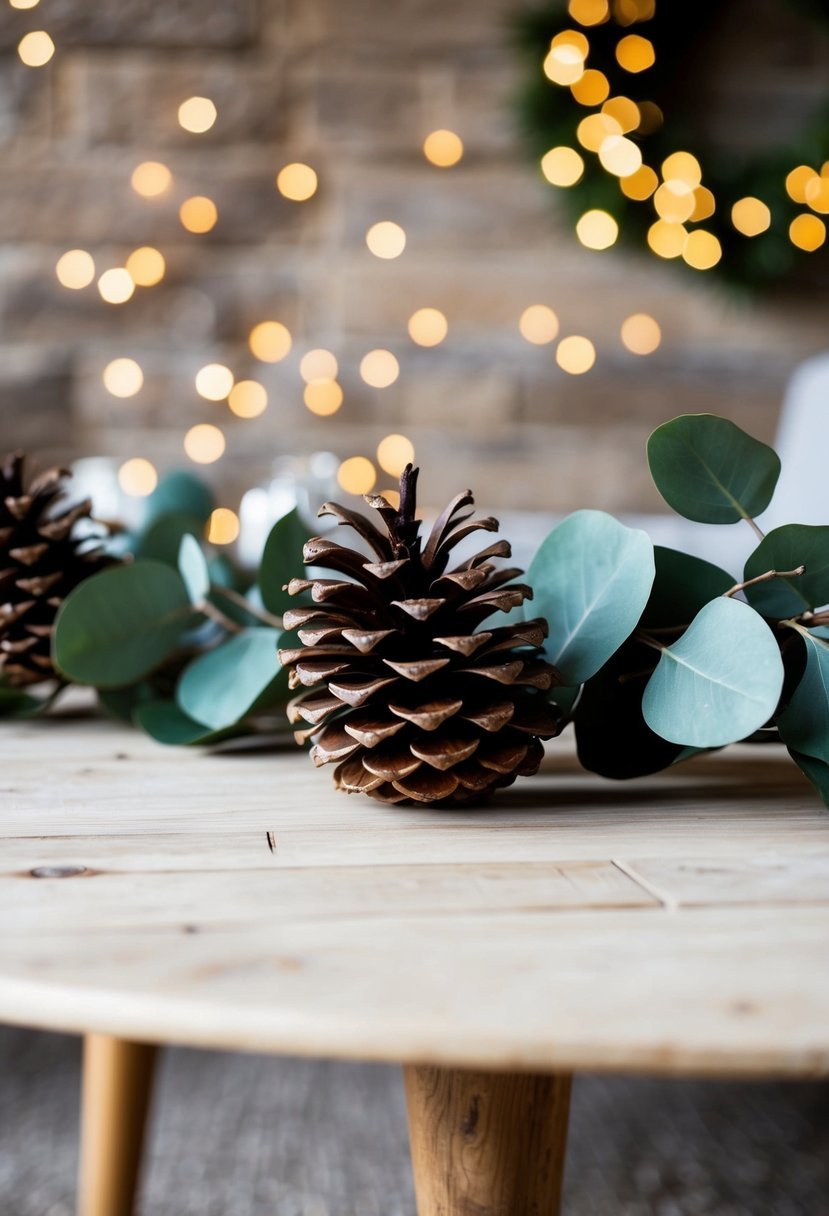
386, 239
651, 117
594, 130
198, 214
591, 89
575, 355
24, 3
674, 201
667, 240
269, 341
357, 475
428, 327
222, 527
35, 49
817, 194
682, 167
538, 324
204, 443
116, 285
379, 368
146, 266
702, 250
151, 178
443, 148
562, 166
296, 182
589, 12
635, 53
641, 334
625, 111
123, 378
323, 397
639, 185
394, 453
197, 115
620, 156
807, 232
75, 269
597, 230
214, 381
248, 399
704, 204
318, 364
750, 216
797, 181
564, 65
137, 477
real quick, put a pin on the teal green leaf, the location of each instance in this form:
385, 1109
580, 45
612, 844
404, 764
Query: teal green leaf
683, 584
161, 541
14, 703
282, 561
180, 493
787, 548
720, 682
121, 703
221, 687
192, 566
804, 723
119, 625
592, 577
816, 770
710, 470
165, 722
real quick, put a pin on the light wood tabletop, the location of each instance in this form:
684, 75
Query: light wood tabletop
675, 925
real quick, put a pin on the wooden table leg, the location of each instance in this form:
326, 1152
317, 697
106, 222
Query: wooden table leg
117, 1082
486, 1144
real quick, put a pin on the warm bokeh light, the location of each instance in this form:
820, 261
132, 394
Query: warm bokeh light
807, 232
379, 368
123, 378
597, 229
674, 201
620, 156
750, 216
386, 239
594, 130
357, 475
573, 39
651, 117
562, 166
667, 240
197, 115
575, 355
591, 89
24, 3
147, 266
817, 194
35, 48
248, 399
222, 527
204, 443
682, 167
75, 269
635, 53
564, 64
625, 111
704, 204
116, 285
443, 148
214, 381
797, 181
198, 214
323, 397
392, 497
702, 250
318, 364
296, 182
641, 184
428, 327
137, 477
151, 178
538, 324
641, 334
589, 12
394, 453
270, 341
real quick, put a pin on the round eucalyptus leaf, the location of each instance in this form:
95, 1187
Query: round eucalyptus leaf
804, 723
816, 770
683, 584
117, 626
161, 540
165, 722
787, 548
282, 561
221, 687
180, 493
14, 703
192, 566
592, 577
710, 470
720, 682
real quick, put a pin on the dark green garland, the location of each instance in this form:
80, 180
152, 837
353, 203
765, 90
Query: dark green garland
550, 115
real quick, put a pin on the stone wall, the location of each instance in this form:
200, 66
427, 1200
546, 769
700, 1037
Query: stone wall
351, 87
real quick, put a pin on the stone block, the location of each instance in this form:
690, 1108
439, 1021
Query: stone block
185, 24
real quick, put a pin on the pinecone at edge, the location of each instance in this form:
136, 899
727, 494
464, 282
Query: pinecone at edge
401, 689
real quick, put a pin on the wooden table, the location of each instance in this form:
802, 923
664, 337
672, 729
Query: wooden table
678, 925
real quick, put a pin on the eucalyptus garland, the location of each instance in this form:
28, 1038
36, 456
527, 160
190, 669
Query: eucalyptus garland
632, 68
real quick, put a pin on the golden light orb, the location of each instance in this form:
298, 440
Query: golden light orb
625, 111
817, 194
116, 285
357, 475
214, 381
702, 250
591, 89
75, 269
137, 477
123, 377
24, 4
797, 181
147, 266
807, 232
674, 201
379, 368
35, 48
575, 355
297, 182
197, 115
222, 527
667, 240
562, 166
704, 204
682, 167
750, 216
198, 214
394, 453
572, 39
443, 148
641, 334
270, 341
640, 185
323, 397
151, 178
635, 53
538, 324
386, 239
597, 229
204, 443
428, 327
248, 399
620, 156
593, 130
564, 63
318, 364
589, 12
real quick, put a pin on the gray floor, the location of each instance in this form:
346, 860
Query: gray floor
247, 1136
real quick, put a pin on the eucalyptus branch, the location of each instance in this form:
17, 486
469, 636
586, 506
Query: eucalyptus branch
765, 578
261, 614
216, 614
647, 640
758, 531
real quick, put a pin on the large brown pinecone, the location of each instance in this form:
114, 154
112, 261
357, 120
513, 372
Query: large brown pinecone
401, 687
41, 559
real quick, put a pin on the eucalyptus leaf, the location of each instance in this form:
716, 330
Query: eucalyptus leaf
804, 723
180, 493
282, 561
192, 566
15, 703
161, 541
120, 624
121, 703
683, 584
816, 770
592, 577
787, 548
221, 687
167, 723
710, 470
720, 682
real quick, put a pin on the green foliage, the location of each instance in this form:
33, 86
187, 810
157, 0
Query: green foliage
180, 493
167, 723
15, 703
804, 723
282, 561
683, 585
193, 568
224, 685
786, 549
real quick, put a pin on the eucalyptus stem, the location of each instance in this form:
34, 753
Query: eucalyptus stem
765, 578
758, 531
647, 640
216, 614
261, 614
